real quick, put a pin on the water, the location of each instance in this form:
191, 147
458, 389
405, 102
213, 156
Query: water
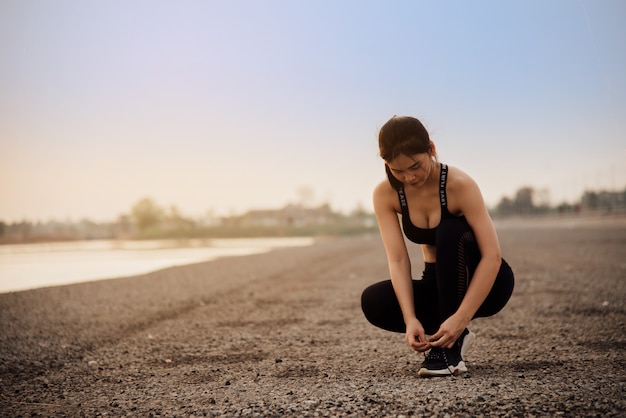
29, 266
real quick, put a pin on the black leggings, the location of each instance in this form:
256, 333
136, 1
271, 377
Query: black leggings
443, 285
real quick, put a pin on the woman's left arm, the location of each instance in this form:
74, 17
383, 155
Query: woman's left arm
466, 196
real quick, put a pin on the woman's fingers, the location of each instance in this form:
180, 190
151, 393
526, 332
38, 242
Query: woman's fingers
442, 339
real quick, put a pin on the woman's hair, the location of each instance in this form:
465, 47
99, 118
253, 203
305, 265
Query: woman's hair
401, 135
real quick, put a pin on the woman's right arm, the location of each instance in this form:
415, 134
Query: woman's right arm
385, 199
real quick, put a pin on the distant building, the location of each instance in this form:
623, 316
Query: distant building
289, 216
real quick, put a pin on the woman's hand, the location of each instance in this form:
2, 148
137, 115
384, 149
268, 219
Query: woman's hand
449, 331
415, 336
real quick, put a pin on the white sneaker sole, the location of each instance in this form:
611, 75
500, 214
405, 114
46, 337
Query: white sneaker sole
460, 368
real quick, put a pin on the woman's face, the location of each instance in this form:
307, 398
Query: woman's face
412, 170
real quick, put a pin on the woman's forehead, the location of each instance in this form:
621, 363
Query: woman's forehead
402, 161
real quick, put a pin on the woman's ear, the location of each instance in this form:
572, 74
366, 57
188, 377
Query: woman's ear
432, 150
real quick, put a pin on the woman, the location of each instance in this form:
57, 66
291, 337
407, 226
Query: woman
464, 277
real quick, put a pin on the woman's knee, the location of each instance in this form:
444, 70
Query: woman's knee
376, 295
381, 308
500, 293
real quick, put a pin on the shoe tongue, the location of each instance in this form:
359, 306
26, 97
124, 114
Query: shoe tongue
435, 352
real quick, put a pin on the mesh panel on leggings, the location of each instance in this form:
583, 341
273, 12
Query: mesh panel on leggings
462, 270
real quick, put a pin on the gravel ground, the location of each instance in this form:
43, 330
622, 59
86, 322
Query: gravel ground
282, 334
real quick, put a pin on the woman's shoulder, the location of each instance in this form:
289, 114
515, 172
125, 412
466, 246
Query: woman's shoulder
385, 194
462, 190
459, 180
384, 187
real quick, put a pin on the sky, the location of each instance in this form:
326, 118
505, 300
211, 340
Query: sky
224, 106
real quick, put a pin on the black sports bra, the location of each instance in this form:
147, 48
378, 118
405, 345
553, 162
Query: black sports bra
425, 235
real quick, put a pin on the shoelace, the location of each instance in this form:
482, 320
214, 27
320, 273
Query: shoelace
437, 353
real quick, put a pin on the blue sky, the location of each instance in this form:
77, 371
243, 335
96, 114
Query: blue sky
230, 105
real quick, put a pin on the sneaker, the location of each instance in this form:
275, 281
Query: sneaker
467, 338
447, 361
442, 362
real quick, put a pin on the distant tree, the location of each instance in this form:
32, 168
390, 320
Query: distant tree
541, 201
565, 208
176, 221
358, 211
524, 201
506, 207
146, 214
521, 204
590, 200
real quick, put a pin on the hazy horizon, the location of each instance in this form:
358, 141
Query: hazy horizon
210, 213
230, 106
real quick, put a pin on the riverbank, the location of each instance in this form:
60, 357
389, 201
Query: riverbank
31, 266
282, 334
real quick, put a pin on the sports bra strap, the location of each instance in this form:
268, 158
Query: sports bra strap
402, 198
442, 185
